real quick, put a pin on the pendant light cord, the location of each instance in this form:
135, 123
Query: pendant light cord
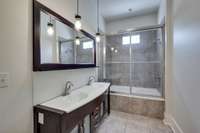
77, 7
98, 16
51, 20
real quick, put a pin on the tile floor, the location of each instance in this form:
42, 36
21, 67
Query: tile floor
119, 122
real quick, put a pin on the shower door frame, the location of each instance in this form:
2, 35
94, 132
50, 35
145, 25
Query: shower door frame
131, 67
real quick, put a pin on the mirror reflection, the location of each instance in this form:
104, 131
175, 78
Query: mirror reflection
61, 44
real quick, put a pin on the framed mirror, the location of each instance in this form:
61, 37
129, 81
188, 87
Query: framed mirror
56, 43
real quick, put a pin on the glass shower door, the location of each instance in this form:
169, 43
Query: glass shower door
118, 63
146, 60
134, 62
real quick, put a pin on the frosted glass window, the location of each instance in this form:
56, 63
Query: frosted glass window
88, 45
126, 40
135, 39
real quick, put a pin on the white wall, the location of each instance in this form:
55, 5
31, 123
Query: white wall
47, 85
183, 95
186, 65
16, 59
162, 12
168, 58
131, 23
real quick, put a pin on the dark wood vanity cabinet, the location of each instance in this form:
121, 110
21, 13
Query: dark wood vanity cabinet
57, 121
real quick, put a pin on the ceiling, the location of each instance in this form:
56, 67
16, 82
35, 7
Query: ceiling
118, 9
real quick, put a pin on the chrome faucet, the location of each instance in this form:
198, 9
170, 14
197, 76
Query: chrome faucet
91, 79
68, 87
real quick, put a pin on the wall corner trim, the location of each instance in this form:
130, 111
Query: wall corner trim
170, 121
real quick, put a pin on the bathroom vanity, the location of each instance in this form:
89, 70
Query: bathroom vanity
64, 113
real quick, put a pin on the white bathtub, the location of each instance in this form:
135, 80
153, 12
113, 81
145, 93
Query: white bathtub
135, 91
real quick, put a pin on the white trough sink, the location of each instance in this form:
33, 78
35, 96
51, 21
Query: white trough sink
78, 97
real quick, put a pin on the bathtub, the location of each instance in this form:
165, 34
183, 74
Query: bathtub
135, 91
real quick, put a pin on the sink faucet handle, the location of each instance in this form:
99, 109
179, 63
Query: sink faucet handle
68, 86
91, 79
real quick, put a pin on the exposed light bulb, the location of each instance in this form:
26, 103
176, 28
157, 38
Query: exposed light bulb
98, 37
116, 51
77, 41
50, 29
112, 49
77, 23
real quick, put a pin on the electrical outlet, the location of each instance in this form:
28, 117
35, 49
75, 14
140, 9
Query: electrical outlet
41, 118
4, 80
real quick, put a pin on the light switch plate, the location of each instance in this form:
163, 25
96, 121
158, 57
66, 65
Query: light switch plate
4, 80
41, 118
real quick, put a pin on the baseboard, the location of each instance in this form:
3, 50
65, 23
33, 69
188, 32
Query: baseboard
169, 120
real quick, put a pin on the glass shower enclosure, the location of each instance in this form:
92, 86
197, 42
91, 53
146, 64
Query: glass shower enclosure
134, 62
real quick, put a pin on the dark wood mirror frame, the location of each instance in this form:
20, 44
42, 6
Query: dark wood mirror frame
37, 66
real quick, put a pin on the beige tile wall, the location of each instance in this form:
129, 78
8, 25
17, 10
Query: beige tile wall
145, 107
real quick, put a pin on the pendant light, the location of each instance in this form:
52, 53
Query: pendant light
98, 35
78, 24
50, 29
77, 40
